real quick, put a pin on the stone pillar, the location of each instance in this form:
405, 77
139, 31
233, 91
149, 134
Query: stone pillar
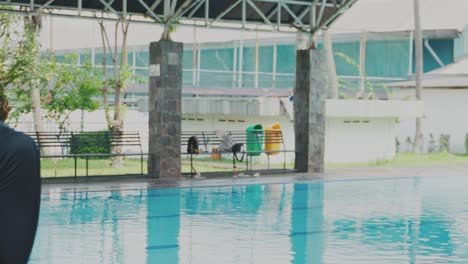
310, 94
165, 114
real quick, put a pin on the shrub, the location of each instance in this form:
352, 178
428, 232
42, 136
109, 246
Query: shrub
444, 142
466, 143
409, 144
432, 147
91, 143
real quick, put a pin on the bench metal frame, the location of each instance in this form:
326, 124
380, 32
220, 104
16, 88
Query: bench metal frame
87, 157
211, 139
206, 139
62, 141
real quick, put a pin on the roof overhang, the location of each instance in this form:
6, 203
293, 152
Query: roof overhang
264, 15
217, 91
443, 81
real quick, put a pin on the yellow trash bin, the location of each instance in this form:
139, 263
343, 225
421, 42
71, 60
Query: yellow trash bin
273, 139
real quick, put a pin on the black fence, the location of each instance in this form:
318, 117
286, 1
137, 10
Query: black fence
85, 165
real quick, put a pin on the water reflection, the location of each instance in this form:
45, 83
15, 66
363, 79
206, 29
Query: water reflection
307, 223
163, 214
394, 221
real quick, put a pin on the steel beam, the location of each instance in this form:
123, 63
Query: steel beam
433, 53
226, 11
322, 8
150, 9
291, 13
45, 5
347, 4
108, 6
196, 8
260, 13
171, 12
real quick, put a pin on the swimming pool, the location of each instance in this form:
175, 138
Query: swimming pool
410, 220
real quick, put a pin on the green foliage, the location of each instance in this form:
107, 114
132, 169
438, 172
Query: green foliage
409, 143
355, 86
125, 75
91, 143
348, 60
73, 88
444, 143
466, 143
18, 48
431, 147
64, 87
408, 160
41, 74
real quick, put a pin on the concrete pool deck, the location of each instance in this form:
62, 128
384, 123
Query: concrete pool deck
367, 173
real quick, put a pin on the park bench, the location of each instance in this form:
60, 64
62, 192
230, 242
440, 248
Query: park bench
208, 140
52, 140
63, 140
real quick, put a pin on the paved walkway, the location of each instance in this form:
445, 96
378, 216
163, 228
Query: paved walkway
408, 171
126, 183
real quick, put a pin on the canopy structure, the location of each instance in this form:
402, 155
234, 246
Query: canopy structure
263, 15
165, 60
453, 76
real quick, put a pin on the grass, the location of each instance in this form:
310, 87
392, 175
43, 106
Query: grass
409, 159
100, 167
66, 167
96, 167
442, 158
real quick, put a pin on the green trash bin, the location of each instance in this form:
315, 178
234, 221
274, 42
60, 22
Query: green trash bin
254, 140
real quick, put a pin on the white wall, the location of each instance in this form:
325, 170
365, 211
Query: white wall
446, 112
347, 140
359, 140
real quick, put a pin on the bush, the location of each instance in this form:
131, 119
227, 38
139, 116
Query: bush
466, 143
409, 144
91, 143
432, 147
444, 143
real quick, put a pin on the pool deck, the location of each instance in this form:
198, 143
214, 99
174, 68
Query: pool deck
132, 183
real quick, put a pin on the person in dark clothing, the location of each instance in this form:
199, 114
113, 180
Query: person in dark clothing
20, 191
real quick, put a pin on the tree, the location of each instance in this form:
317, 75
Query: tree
352, 87
118, 81
40, 77
16, 57
74, 88
35, 77
25, 75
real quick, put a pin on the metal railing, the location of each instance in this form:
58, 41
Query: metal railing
90, 157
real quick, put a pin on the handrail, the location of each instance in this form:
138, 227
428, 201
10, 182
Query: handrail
75, 157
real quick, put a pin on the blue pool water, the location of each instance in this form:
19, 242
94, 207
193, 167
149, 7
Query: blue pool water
412, 220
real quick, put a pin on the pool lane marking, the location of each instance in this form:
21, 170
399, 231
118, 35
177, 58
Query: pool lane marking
162, 247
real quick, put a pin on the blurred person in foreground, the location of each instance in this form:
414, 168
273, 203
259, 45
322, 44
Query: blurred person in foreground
20, 190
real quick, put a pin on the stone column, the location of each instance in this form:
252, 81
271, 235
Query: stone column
310, 94
165, 114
